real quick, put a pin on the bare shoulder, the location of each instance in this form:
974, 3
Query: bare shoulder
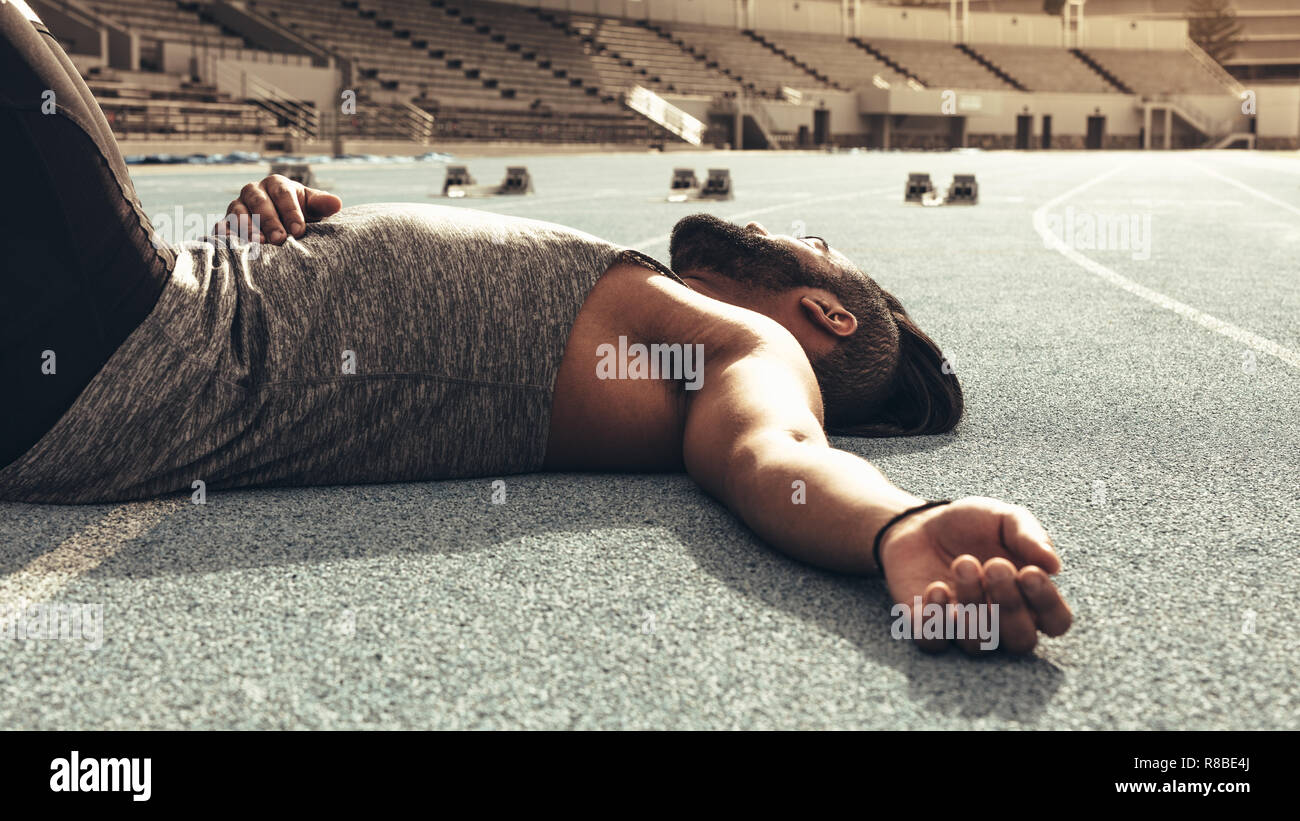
654, 306
599, 421
751, 361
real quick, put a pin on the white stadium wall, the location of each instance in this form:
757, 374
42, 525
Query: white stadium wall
805, 16
1279, 116
1069, 113
895, 22
850, 18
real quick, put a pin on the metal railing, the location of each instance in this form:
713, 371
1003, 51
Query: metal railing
766, 124
298, 117
470, 123
1211, 65
153, 122
1212, 127
419, 123
374, 120
658, 110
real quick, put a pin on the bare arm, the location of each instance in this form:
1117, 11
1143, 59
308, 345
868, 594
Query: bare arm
754, 440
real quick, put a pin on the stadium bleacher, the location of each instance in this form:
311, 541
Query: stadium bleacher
1157, 72
156, 22
629, 46
1039, 68
453, 63
489, 70
156, 106
939, 65
152, 105
846, 64
1268, 47
761, 70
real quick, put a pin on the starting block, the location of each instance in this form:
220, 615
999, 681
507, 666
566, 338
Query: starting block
684, 179
460, 183
918, 186
299, 172
686, 186
457, 181
517, 181
718, 185
963, 190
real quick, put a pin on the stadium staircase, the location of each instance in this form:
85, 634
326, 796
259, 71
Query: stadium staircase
703, 56
1198, 129
1101, 71
937, 64
792, 59
877, 54
749, 60
992, 67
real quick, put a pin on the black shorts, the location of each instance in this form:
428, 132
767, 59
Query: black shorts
78, 266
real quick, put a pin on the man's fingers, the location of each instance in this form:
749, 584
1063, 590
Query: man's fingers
261, 206
319, 204
236, 221
284, 193
970, 591
1018, 632
1053, 614
1024, 537
940, 594
220, 228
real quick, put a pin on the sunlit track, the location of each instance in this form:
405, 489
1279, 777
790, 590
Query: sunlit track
1161, 465
1205, 320
46, 576
1247, 188
1273, 163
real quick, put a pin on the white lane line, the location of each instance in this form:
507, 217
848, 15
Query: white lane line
1212, 323
1285, 163
754, 212
1267, 197
47, 574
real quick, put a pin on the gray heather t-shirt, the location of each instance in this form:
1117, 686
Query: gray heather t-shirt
392, 342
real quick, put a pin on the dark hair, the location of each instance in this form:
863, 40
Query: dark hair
889, 378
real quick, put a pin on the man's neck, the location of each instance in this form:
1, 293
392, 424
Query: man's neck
727, 290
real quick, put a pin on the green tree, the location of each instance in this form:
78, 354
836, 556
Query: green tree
1212, 25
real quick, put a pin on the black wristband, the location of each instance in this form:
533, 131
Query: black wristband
875, 549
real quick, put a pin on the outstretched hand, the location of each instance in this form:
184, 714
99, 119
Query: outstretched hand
282, 206
978, 551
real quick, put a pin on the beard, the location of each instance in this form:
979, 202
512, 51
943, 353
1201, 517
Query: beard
705, 242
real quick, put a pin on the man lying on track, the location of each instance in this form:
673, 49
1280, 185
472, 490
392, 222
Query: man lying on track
409, 342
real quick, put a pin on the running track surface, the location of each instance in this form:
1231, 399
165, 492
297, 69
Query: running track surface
1142, 401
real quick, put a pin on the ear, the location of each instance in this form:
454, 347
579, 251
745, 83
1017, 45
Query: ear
824, 311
